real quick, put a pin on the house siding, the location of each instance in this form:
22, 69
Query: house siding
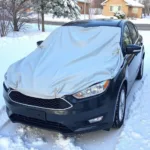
136, 15
126, 9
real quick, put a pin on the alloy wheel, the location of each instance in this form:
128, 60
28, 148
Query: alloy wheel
122, 105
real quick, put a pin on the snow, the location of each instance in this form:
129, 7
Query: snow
49, 17
129, 2
84, 1
136, 130
133, 3
134, 135
141, 21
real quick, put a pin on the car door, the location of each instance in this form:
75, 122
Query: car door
136, 57
126, 40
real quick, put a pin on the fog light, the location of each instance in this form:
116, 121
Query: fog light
96, 119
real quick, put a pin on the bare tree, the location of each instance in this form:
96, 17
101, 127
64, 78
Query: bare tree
4, 21
38, 20
146, 9
17, 10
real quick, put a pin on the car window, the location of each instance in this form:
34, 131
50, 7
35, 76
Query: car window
126, 37
133, 31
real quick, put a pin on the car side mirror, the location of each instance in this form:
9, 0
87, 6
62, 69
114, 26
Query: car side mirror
39, 43
133, 49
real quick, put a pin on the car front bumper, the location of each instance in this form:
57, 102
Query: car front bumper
67, 121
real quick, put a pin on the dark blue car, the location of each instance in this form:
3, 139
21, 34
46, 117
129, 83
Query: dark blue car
101, 111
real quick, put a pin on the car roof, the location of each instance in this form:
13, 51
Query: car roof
97, 22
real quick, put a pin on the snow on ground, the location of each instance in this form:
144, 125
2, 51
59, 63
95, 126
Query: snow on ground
136, 130
48, 17
141, 21
135, 134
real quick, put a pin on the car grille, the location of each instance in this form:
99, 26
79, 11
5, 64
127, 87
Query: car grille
57, 103
40, 123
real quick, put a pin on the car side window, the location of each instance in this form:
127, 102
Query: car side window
133, 31
126, 37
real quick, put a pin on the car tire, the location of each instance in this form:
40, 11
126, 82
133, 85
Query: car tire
141, 70
120, 108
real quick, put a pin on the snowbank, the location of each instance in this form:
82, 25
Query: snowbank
49, 17
135, 134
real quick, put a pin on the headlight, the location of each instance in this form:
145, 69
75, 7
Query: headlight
93, 90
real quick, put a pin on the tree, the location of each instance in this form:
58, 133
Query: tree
97, 3
4, 20
59, 8
17, 10
120, 15
146, 4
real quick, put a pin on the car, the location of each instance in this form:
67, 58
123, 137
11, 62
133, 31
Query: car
76, 113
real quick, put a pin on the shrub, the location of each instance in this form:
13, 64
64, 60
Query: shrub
120, 15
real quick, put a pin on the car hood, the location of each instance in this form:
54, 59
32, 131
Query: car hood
69, 60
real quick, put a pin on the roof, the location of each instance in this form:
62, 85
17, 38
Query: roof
131, 3
98, 22
84, 1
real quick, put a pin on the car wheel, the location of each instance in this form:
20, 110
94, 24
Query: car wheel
140, 73
120, 108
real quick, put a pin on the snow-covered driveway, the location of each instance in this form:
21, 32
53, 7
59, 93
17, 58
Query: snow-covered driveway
135, 134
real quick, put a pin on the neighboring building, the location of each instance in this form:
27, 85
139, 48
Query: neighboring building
96, 7
84, 6
130, 7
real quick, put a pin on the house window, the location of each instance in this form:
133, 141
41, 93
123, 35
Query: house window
115, 8
135, 10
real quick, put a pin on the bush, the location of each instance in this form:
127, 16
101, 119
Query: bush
120, 15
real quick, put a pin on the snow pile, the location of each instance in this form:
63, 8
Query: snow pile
49, 17
24, 140
140, 21
66, 144
6, 143
136, 132
3, 116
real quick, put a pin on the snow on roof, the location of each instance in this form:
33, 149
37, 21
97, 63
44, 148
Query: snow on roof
84, 1
133, 3
129, 3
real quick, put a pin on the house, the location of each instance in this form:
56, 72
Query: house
84, 6
130, 7
96, 7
